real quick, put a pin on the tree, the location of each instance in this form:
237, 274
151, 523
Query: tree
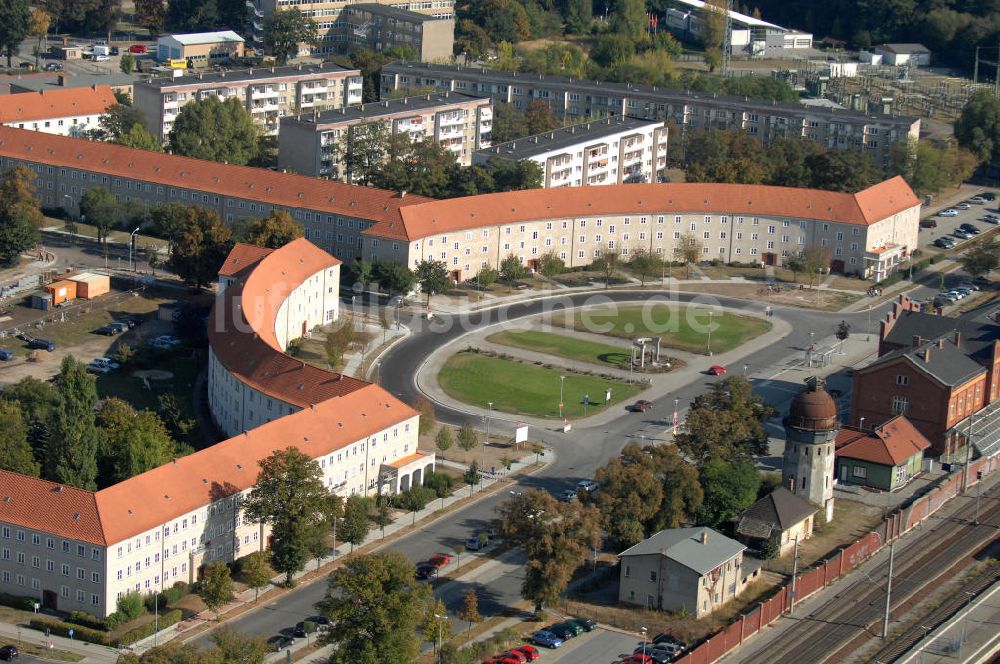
467, 438
15, 25
629, 19
425, 407
215, 130
39, 21
435, 625
216, 586
20, 216
440, 483
192, 15
550, 264
171, 653
285, 29
374, 605
714, 155
362, 150
713, 34
361, 272
232, 647
486, 277
512, 269
470, 607
394, 277
556, 538
689, 249
729, 488
815, 259
612, 49
131, 442
140, 139
843, 331
127, 63
15, 451
100, 208
443, 441
150, 14
842, 170
255, 569
471, 475
34, 399
432, 275
727, 422
981, 259
646, 264
606, 264
354, 527
173, 416
115, 123
539, 119
977, 128
273, 231
71, 454
291, 497
199, 246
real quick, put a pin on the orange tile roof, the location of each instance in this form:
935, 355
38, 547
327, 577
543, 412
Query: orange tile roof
280, 189
430, 218
241, 328
159, 495
890, 444
59, 103
399, 463
49, 507
241, 257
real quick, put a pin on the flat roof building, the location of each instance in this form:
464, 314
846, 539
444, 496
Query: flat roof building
379, 27
577, 100
269, 93
308, 143
200, 48
610, 151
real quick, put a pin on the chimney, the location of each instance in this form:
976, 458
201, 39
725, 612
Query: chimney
958, 339
704, 536
927, 355
917, 340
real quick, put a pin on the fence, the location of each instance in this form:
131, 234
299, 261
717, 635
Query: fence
826, 572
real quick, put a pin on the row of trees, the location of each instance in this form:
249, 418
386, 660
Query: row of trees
50, 430
20, 216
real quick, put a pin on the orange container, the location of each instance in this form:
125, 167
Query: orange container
90, 285
62, 291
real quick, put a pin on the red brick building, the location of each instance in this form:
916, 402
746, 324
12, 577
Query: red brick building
941, 373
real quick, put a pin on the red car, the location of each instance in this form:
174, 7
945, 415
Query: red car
641, 406
138, 49
716, 370
639, 658
530, 652
518, 657
439, 560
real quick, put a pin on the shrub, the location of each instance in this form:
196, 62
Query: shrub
440, 483
62, 629
166, 620
87, 620
175, 592
132, 605
415, 499
14, 601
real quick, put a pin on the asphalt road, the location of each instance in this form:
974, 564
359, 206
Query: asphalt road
577, 457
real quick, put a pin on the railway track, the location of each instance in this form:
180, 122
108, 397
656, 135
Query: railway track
827, 630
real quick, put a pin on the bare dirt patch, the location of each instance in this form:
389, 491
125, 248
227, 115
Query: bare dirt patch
809, 298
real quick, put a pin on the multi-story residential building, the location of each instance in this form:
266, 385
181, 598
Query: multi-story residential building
869, 233
308, 143
200, 48
942, 373
268, 93
62, 111
609, 151
380, 27
578, 100
76, 550
696, 570
328, 13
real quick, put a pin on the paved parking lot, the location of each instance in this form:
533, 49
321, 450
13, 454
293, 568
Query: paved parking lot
947, 225
598, 647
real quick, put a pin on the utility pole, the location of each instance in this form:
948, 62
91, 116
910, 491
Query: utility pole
727, 46
968, 454
888, 590
795, 571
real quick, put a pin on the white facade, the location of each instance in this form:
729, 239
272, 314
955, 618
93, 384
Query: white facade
69, 125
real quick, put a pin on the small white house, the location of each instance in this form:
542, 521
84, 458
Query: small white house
62, 111
904, 54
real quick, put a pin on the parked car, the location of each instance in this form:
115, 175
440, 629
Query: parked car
716, 370
950, 212
120, 325
563, 631
641, 406
473, 543
6, 355
663, 637
991, 219
515, 655
108, 330
962, 206
962, 233
138, 49
988, 195
41, 344
53, 66
928, 223
281, 642
546, 639
956, 293
969, 285
587, 624
964, 292
503, 659
8, 653
98, 369
530, 652
970, 228
101, 58
944, 243
165, 341
639, 658
115, 50
978, 200
587, 485
425, 571
567, 495
321, 621
573, 625
439, 560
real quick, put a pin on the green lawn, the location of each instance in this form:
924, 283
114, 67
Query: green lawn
526, 389
683, 327
563, 346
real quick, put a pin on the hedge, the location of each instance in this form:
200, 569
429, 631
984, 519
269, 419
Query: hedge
14, 601
84, 619
60, 628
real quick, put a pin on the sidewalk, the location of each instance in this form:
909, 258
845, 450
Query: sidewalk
92, 653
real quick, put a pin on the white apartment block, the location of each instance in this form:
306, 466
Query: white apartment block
60, 111
327, 15
268, 93
609, 151
80, 550
308, 144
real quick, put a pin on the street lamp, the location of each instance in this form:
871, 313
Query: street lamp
131, 244
562, 379
439, 631
676, 402
334, 538
489, 413
746, 368
644, 630
710, 314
